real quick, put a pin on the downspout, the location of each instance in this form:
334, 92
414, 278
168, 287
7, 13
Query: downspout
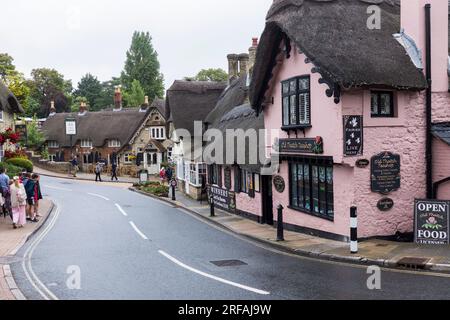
429, 137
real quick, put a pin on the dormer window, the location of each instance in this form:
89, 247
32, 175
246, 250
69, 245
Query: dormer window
296, 102
86, 143
114, 144
382, 104
53, 144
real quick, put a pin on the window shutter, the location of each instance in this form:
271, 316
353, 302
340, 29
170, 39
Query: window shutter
304, 108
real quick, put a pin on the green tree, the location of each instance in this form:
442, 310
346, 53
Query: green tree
6, 66
142, 64
90, 88
135, 96
35, 138
106, 97
77, 102
210, 75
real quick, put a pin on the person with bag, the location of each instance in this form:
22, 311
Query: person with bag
98, 172
75, 167
33, 190
18, 203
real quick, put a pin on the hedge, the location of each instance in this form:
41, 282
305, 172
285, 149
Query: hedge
21, 163
11, 170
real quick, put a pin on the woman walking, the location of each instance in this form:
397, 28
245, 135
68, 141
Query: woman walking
98, 172
5, 190
33, 195
18, 203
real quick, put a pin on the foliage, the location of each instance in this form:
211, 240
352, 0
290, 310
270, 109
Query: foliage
76, 103
11, 170
157, 190
18, 153
211, 75
90, 89
135, 96
35, 137
142, 64
9, 135
106, 96
6, 66
45, 154
21, 163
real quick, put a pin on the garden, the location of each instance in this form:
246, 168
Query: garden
154, 188
14, 158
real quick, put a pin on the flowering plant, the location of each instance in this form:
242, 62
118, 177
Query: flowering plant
10, 135
19, 153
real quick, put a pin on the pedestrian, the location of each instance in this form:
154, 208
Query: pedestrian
98, 172
18, 203
162, 174
114, 172
37, 196
169, 174
75, 167
25, 179
32, 190
5, 190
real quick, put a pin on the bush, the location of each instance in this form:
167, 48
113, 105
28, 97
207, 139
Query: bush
156, 189
11, 170
21, 163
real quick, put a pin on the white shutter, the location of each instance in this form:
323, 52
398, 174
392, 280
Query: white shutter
304, 108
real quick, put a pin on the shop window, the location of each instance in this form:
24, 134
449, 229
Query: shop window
247, 183
382, 104
311, 187
296, 102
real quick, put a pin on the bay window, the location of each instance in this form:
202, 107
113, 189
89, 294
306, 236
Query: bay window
296, 102
311, 187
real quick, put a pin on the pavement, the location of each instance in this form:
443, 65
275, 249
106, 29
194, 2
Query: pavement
11, 240
388, 254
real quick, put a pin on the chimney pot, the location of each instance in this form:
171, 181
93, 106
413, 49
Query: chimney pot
254, 42
118, 98
146, 100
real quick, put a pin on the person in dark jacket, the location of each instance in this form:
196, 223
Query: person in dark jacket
114, 172
34, 194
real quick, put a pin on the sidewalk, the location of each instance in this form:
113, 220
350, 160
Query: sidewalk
10, 242
83, 176
371, 252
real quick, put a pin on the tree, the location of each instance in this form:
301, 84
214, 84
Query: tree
90, 88
106, 97
77, 102
6, 65
210, 75
135, 96
142, 64
35, 138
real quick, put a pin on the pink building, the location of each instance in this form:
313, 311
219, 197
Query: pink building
348, 98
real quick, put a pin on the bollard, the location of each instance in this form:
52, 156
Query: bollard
212, 206
280, 226
173, 193
354, 230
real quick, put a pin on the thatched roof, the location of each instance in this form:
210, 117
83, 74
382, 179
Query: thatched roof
190, 101
98, 126
8, 101
333, 34
442, 131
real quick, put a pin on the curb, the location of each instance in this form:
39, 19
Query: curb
384, 263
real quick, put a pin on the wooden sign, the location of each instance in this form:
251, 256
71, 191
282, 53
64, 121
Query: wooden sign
385, 173
306, 145
279, 184
353, 135
385, 204
431, 222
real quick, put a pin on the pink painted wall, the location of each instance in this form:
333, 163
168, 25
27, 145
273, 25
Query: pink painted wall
441, 167
444, 191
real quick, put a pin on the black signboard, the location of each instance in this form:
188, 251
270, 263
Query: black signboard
385, 173
223, 199
227, 177
306, 145
385, 204
353, 135
279, 184
362, 163
432, 222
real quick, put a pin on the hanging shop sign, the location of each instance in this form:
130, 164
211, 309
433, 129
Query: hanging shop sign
227, 178
223, 199
353, 135
279, 184
385, 204
385, 173
305, 145
362, 163
431, 222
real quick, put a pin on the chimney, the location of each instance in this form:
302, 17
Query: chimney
232, 66
252, 54
413, 23
52, 109
83, 108
145, 105
118, 98
243, 64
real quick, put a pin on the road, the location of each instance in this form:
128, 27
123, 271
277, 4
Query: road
117, 244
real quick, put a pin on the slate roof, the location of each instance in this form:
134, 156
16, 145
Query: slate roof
8, 101
333, 34
442, 131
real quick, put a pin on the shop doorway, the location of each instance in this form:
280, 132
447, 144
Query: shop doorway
267, 200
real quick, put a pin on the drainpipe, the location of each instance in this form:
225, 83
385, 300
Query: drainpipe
429, 138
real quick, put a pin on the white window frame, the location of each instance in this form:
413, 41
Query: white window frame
114, 143
86, 143
52, 157
53, 144
196, 169
158, 133
126, 158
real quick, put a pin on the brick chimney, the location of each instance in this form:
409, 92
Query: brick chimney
252, 53
118, 98
243, 64
413, 23
233, 64
145, 105
83, 108
52, 109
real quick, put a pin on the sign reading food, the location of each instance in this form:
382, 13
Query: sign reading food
432, 222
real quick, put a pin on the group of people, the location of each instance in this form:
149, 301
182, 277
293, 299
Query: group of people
166, 174
98, 169
19, 197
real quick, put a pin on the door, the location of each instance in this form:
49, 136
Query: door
267, 201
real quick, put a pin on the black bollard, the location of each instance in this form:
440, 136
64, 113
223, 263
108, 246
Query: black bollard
280, 226
354, 230
213, 214
173, 193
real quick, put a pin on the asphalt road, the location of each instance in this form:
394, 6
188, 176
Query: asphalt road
124, 245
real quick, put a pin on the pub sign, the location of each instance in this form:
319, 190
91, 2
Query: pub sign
431, 222
385, 173
223, 199
353, 135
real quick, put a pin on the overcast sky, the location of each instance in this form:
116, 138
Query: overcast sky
80, 36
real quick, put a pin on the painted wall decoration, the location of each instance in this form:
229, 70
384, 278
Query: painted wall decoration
385, 173
353, 135
304, 145
223, 199
432, 222
279, 184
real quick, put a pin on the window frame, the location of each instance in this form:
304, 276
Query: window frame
126, 159
308, 187
52, 144
291, 94
83, 143
392, 106
245, 186
115, 143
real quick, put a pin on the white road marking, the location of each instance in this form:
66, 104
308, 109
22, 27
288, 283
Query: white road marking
204, 274
98, 196
139, 232
26, 263
121, 210
57, 188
